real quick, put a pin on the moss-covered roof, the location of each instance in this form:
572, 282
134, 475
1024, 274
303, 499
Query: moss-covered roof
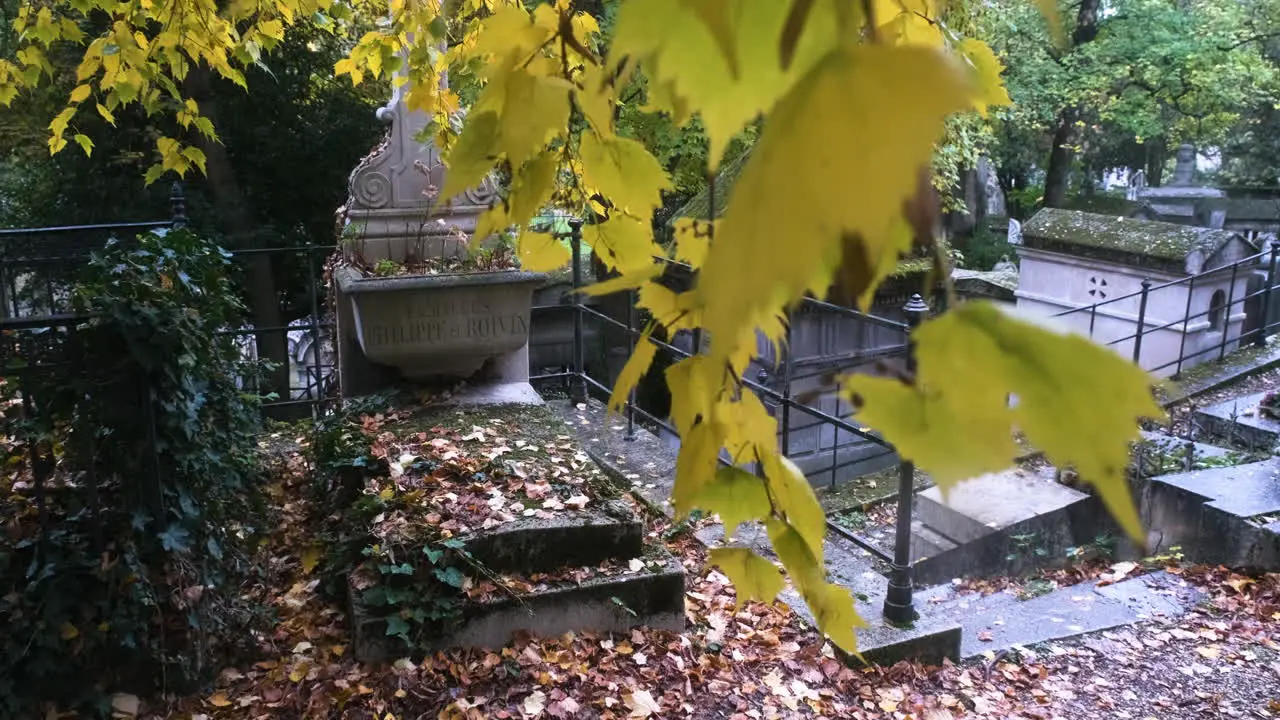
1121, 239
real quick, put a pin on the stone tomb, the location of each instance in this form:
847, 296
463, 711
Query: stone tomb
1227, 516
1238, 421
999, 523
540, 521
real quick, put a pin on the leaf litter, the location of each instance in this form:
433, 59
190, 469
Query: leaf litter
758, 661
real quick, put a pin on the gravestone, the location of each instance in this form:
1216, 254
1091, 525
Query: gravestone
1184, 166
1015, 232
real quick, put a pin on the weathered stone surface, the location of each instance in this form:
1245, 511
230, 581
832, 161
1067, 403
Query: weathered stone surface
438, 325
653, 597
1238, 421
985, 504
1211, 514
530, 545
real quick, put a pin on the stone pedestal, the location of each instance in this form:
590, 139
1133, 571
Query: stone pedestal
425, 328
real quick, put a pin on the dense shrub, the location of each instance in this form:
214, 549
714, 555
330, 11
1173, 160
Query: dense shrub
131, 579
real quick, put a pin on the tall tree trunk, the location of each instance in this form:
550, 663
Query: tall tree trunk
1157, 152
239, 224
1059, 170
1058, 173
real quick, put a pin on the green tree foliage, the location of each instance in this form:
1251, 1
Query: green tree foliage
1157, 73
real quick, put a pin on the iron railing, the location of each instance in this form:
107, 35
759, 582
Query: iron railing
1223, 331
774, 389
39, 267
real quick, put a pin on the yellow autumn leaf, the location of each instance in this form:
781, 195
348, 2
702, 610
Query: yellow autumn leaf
626, 281
987, 68
541, 252
532, 187
510, 34
693, 238
473, 156
624, 172
736, 496
721, 18
880, 142
68, 631
677, 311
696, 464
909, 22
637, 365
85, 143
1049, 9
80, 93
219, 699
794, 500
688, 71
832, 605
310, 558
974, 357
534, 109
753, 577
622, 243
596, 100
752, 430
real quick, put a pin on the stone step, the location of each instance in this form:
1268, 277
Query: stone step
652, 597
927, 542
982, 505
530, 545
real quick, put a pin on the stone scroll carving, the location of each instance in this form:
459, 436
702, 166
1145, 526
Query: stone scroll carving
391, 190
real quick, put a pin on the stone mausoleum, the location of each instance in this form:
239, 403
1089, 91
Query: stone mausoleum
1073, 260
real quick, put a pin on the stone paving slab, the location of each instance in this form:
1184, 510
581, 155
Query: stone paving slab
1167, 443
1076, 610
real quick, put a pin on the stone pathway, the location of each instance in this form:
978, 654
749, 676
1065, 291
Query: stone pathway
950, 624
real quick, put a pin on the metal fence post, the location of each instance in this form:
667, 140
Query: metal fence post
1186, 320
1261, 338
1226, 311
577, 384
898, 605
1142, 318
786, 391
631, 348
177, 206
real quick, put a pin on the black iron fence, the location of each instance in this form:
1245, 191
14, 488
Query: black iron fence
40, 266
1200, 318
773, 380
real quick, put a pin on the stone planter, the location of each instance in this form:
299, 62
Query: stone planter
438, 326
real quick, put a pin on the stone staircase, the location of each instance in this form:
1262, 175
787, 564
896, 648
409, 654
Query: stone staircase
589, 571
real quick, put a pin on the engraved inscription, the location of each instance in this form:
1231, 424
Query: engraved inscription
426, 323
